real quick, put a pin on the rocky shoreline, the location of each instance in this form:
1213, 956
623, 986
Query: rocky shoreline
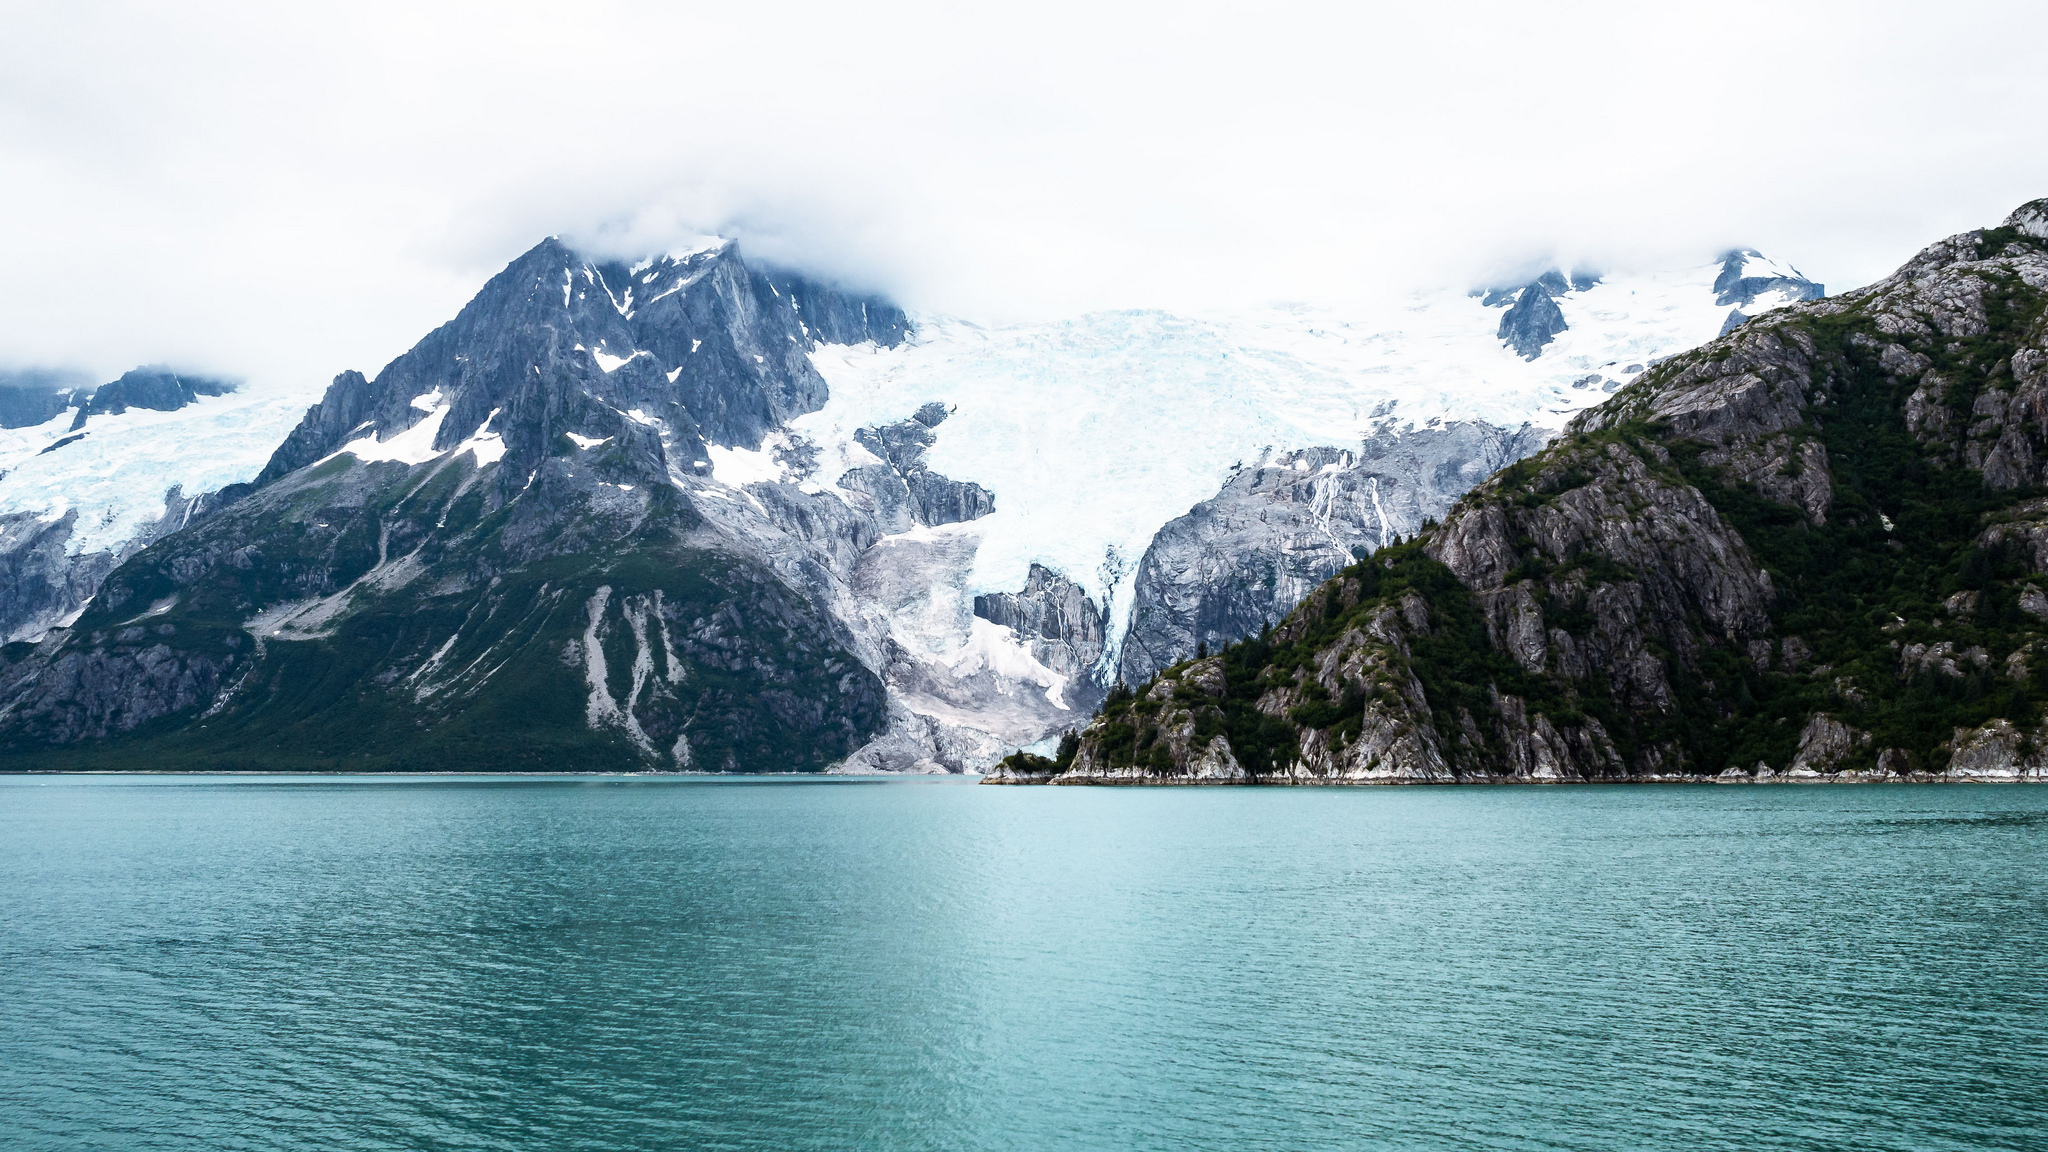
1003, 776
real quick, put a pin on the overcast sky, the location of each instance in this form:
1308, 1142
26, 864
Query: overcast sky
283, 192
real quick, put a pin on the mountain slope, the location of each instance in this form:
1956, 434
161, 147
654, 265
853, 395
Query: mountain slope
490, 556
1814, 548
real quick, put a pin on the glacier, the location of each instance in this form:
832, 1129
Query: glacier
1095, 431
1069, 480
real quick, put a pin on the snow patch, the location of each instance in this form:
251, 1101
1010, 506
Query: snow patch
415, 445
697, 246
1757, 265
995, 648
739, 467
586, 442
488, 447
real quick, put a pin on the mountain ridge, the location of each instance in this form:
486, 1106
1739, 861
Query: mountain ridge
1811, 549
695, 413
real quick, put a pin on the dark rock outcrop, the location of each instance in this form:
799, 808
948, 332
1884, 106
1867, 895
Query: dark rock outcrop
902, 491
44, 583
1732, 287
32, 396
1060, 625
1533, 321
704, 348
154, 387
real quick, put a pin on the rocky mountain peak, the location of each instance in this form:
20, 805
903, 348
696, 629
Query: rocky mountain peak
1747, 274
31, 396
155, 387
676, 352
1533, 318
2030, 219
1533, 321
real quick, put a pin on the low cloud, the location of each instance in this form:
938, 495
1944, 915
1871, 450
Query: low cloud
284, 192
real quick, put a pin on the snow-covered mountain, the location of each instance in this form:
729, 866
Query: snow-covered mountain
997, 523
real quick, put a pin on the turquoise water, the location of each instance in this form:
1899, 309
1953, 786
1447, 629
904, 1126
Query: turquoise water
555, 964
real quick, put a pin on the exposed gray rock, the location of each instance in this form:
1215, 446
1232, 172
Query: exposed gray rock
155, 387
1059, 624
1999, 751
1623, 615
1824, 744
554, 599
914, 494
1535, 320
1245, 557
31, 396
44, 585
706, 348
1732, 287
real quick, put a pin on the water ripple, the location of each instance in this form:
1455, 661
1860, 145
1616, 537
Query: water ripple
612, 965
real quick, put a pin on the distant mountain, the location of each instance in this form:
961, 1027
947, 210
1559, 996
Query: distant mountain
692, 511
30, 396
155, 387
1815, 548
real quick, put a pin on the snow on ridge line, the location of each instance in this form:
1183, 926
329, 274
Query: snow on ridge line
1757, 265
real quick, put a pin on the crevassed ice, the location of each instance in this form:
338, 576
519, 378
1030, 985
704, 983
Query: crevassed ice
118, 473
1093, 432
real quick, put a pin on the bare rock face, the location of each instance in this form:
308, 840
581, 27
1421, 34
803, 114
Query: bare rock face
1533, 321
1805, 551
1824, 745
156, 387
44, 585
1998, 751
904, 493
1242, 559
30, 396
41, 584
1061, 626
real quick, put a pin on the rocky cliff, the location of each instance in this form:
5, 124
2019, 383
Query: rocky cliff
1816, 548
1242, 559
